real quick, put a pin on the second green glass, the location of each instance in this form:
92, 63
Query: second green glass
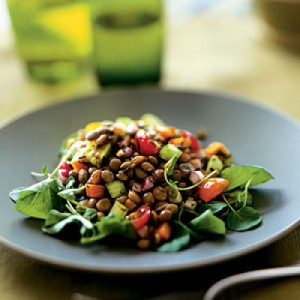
128, 41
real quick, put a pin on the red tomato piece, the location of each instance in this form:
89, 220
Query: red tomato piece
64, 170
140, 217
144, 144
211, 188
194, 145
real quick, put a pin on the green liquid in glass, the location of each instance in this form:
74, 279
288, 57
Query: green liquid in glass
128, 41
52, 37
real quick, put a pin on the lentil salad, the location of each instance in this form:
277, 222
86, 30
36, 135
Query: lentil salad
152, 184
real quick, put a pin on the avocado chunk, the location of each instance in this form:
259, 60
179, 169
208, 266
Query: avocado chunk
116, 188
103, 152
119, 209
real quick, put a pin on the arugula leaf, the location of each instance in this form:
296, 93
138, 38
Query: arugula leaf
244, 219
240, 175
111, 225
209, 223
37, 200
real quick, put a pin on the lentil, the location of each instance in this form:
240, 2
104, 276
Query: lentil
96, 177
132, 195
104, 205
148, 198
115, 164
101, 140
108, 176
160, 193
164, 215
82, 176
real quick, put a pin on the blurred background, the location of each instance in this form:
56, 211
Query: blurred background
246, 47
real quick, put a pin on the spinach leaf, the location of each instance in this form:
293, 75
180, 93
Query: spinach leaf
178, 243
70, 194
240, 175
209, 223
37, 200
244, 219
184, 228
111, 225
57, 222
14, 194
216, 206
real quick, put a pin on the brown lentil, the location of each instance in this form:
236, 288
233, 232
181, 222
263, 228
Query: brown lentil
127, 152
101, 140
164, 215
146, 166
173, 208
132, 195
92, 135
115, 164
83, 176
160, 193
108, 176
158, 174
148, 198
137, 187
125, 165
122, 175
104, 205
92, 202
140, 173
176, 175
137, 160
185, 168
185, 157
96, 177
73, 173
153, 160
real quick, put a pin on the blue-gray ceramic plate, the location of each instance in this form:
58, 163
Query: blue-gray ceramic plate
255, 134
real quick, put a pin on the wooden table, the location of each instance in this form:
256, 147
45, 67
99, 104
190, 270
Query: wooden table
219, 51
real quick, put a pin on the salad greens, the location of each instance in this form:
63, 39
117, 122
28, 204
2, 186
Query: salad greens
60, 204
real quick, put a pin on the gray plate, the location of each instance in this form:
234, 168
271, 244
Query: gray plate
255, 134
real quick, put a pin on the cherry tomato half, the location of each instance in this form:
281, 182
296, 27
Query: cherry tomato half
144, 144
140, 217
211, 188
194, 145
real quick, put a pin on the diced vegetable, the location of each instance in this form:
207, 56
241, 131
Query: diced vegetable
168, 151
116, 188
211, 188
95, 190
